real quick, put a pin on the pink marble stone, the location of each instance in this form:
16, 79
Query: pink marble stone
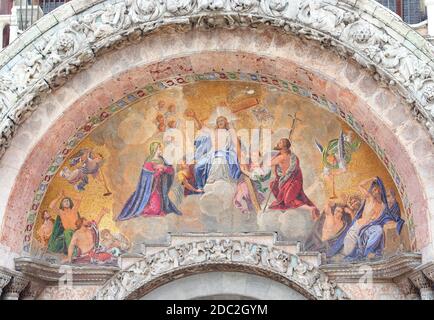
139, 77
166, 69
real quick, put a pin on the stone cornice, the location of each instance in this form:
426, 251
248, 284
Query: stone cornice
71, 37
52, 274
385, 270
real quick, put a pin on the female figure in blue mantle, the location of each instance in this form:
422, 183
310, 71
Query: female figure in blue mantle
151, 197
364, 237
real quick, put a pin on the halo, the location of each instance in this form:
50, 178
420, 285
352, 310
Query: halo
221, 112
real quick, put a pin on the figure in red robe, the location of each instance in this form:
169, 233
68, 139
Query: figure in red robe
287, 186
151, 197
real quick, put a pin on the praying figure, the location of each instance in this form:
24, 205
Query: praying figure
151, 197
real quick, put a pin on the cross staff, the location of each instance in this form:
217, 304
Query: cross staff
293, 124
291, 131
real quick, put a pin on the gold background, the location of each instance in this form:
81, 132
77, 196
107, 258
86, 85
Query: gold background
124, 139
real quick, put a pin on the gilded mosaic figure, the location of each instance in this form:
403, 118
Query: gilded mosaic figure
151, 196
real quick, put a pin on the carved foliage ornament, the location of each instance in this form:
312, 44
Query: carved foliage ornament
72, 45
271, 260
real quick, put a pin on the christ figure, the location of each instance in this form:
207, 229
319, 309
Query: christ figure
215, 153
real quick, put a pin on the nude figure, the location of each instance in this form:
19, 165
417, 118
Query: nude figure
84, 239
46, 228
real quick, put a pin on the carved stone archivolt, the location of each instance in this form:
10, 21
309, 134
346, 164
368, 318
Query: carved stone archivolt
218, 255
50, 52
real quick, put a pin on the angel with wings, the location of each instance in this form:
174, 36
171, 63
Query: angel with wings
337, 155
84, 163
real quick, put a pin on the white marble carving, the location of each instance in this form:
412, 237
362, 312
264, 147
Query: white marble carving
219, 252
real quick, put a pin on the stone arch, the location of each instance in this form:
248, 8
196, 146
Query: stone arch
347, 37
223, 285
226, 255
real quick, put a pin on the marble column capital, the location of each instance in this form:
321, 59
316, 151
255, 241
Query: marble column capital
15, 286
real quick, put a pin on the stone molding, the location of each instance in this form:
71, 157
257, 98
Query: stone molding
260, 253
52, 274
73, 36
385, 270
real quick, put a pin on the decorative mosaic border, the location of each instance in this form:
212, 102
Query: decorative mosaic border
159, 86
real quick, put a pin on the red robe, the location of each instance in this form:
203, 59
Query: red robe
287, 187
155, 204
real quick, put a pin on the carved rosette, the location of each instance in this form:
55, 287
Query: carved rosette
155, 269
74, 44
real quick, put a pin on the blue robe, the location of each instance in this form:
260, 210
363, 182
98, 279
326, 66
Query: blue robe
204, 156
371, 236
139, 199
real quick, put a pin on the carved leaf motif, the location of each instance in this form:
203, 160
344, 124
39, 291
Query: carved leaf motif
212, 5
325, 15
274, 8
243, 5
146, 10
180, 7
